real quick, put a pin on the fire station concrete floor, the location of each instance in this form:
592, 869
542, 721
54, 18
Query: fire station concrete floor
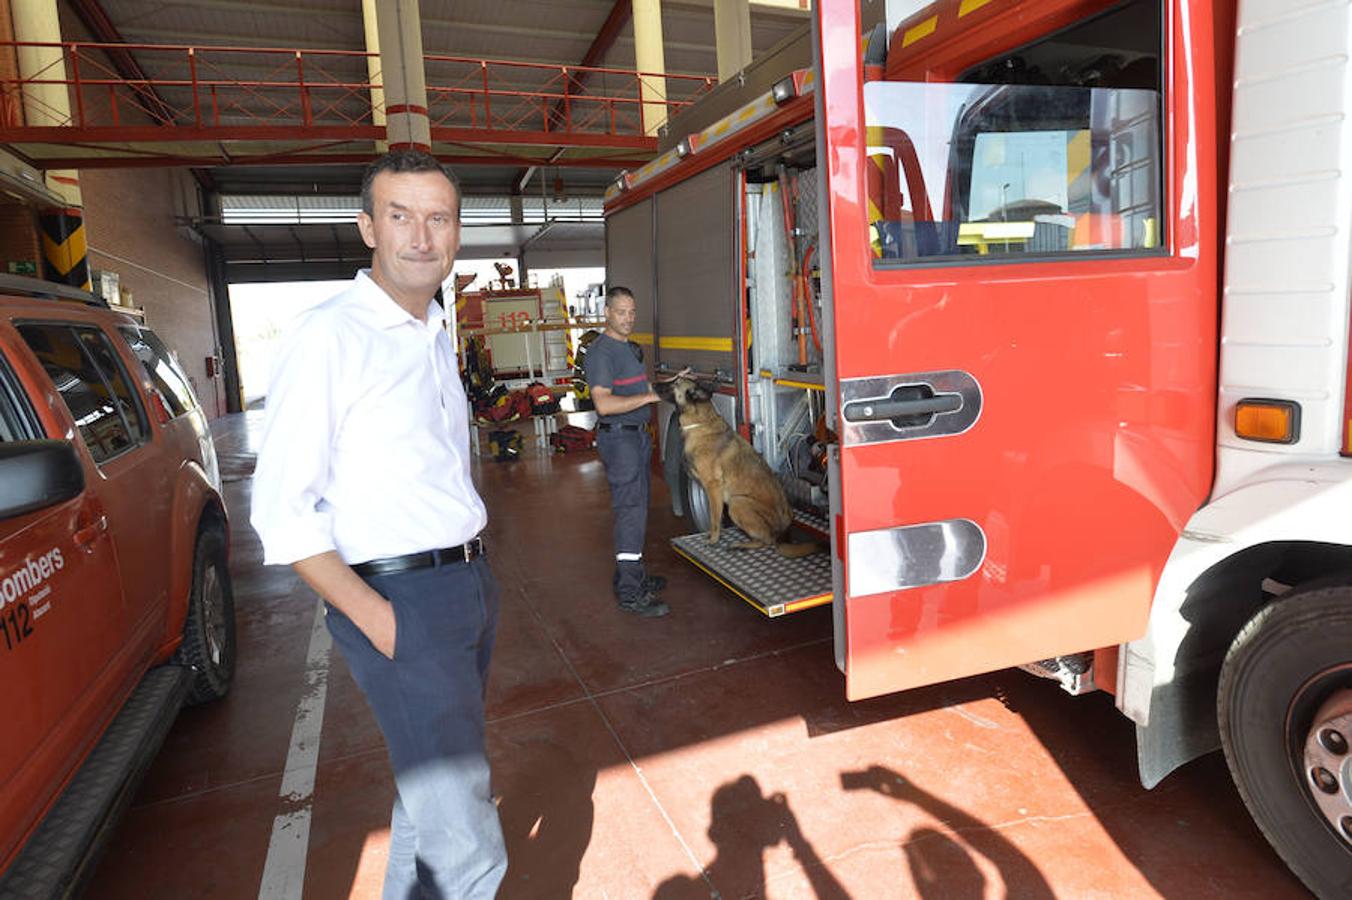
710, 751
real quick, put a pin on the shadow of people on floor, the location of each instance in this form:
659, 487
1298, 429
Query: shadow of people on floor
547, 813
743, 824
1020, 876
941, 868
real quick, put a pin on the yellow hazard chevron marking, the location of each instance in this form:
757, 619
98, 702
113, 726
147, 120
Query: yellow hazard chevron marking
970, 6
66, 255
679, 342
916, 32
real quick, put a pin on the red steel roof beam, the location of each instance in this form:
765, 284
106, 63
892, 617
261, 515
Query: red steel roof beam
619, 16
95, 18
318, 159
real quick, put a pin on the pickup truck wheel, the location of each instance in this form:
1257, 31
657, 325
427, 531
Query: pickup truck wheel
1285, 712
208, 646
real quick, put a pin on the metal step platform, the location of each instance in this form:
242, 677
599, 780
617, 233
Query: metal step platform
767, 581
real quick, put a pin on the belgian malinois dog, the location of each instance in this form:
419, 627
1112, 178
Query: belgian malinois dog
732, 473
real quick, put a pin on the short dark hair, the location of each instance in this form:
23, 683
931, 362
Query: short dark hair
398, 162
616, 292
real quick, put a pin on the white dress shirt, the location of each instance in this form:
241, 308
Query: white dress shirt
366, 439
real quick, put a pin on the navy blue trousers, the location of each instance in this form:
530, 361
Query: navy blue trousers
625, 455
445, 837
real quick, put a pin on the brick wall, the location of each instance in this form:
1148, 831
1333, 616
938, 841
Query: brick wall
130, 219
19, 236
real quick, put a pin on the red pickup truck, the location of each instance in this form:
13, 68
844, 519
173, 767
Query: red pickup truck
115, 600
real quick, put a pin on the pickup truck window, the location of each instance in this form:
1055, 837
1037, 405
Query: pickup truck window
165, 374
16, 419
107, 414
109, 366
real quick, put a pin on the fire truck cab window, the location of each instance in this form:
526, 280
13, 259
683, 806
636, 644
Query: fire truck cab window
1052, 151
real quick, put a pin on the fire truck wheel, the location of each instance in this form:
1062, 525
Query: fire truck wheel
696, 501
1291, 666
208, 646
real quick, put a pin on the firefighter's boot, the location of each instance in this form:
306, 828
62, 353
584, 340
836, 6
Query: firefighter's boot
646, 604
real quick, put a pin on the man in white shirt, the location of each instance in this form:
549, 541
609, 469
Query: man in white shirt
363, 486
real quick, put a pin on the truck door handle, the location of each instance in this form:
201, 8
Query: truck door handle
907, 406
894, 407
87, 534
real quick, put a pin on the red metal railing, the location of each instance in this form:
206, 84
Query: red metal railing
460, 94
221, 93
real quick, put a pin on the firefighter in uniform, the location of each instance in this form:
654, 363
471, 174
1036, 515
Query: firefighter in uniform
620, 390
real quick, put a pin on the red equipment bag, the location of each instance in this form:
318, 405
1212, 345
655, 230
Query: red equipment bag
542, 401
570, 438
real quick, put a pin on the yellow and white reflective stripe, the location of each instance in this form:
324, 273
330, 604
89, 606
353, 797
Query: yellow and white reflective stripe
805, 385
735, 121
655, 167
917, 32
683, 342
970, 6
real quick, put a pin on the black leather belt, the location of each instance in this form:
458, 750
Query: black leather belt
607, 426
425, 560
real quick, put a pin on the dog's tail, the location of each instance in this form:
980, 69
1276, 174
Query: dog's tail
793, 551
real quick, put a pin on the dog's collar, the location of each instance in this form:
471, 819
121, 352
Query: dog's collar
692, 425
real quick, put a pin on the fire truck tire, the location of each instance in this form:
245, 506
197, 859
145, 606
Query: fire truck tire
1284, 705
208, 646
696, 501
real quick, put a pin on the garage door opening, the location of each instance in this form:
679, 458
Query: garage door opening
263, 313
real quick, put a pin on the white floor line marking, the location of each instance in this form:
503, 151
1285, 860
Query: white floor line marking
284, 871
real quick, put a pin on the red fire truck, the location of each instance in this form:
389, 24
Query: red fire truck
1041, 308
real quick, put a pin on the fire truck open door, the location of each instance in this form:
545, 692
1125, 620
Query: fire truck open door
1023, 385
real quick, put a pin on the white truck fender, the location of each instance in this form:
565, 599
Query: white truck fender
1166, 682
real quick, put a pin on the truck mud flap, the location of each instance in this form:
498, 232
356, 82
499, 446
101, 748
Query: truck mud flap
61, 854
767, 581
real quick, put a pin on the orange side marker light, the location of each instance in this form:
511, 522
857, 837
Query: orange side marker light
1269, 421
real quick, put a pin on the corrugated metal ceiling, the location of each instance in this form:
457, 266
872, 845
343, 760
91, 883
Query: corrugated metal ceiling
543, 31
556, 32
